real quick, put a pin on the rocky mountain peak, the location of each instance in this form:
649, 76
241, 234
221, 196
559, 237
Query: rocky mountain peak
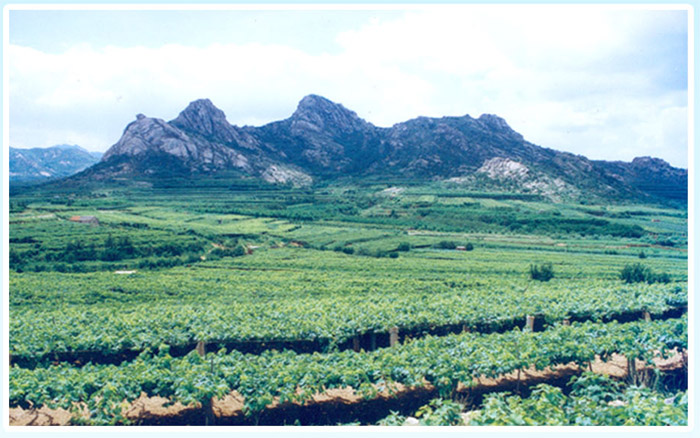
318, 113
314, 101
145, 135
203, 117
650, 162
498, 124
657, 168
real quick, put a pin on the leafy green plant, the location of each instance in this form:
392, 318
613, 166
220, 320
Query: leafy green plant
594, 400
393, 419
597, 387
440, 412
635, 273
543, 272
638, 273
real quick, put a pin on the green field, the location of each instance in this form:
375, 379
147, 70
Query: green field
281, 286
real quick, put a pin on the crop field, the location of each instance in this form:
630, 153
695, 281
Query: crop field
246, 303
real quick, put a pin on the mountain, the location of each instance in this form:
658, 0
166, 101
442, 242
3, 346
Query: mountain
323, 140
41, 164
199, 140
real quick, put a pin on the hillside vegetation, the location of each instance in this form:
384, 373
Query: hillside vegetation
199, 289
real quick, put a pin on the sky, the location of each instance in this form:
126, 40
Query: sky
600, 81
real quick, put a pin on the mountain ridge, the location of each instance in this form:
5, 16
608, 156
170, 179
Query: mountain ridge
322, 139
42, 164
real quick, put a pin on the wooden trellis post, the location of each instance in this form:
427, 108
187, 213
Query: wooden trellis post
647, 316
209, 417
356, 343
372, 341
566, 321
632, 371
530, 323
201, 348
207, 405
393, 336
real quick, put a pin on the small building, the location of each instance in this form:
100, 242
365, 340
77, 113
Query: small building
250, 249
90, 220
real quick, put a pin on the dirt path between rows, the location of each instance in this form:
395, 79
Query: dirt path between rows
337, 405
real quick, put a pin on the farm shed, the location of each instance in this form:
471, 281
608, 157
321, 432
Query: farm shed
90, 220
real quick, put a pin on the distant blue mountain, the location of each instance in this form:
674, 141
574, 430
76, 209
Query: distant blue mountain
42, 164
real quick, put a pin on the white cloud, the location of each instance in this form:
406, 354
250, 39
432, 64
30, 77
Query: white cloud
560, 76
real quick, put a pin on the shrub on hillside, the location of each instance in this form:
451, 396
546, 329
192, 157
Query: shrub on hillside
446, 244
237, 251
543, 272
638, 273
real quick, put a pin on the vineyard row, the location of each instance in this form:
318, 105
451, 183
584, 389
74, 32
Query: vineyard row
367, 341
280, 377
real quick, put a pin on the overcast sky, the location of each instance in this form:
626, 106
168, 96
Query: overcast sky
607, 83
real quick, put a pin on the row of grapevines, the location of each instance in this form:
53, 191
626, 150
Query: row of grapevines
443, 362
593, 400
334, 319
